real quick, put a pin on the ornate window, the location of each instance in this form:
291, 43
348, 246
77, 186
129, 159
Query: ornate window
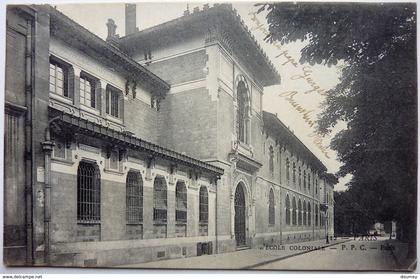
294, 212
271, 159
294, 172
300, 178
287, 169
160, 202
242, 113
309, 182
180, 202
271, 214
134, 198
309, 214
304, 213
304, 180
113, 101
316, 186
287, 210
203, 205
300, 213
88, 193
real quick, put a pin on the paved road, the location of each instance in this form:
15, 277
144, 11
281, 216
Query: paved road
353, 255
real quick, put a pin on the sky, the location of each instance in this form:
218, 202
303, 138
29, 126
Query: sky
301, 84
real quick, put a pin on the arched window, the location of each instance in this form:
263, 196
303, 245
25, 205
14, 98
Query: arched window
316, 215
271, 214
300, 213
294, 173
203, 205
287, 210
242, 113
287, 169
304, 180
304, 213
309, 182
180, 202
160, 200
316, 186
88, 193
309, 214
271, 159
300, 178
294, 211
134, 198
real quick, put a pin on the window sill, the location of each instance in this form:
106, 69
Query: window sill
114, 119
112, 171
61, 98
92, 110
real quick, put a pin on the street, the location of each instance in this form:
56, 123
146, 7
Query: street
352, 255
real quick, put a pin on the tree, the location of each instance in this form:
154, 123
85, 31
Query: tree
376, 96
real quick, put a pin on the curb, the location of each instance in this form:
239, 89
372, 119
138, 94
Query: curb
290, 256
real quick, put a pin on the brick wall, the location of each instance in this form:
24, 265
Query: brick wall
141, 119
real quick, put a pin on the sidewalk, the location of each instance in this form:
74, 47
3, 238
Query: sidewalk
243, 259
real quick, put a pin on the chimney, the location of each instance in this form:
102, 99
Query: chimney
112, 37
130, 19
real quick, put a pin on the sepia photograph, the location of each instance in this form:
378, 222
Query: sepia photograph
268, 136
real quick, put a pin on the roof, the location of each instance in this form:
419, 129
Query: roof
79, 37
274, 125
221, 16
116, 137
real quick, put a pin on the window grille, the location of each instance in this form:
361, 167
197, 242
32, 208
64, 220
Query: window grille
203, 205
113, 102
88, 193
58, 80
304, 213
271, 214
287, 210
271, 160
87, 92
181, 202
294, 211
309, 214
160, 202
300, 213
134, 198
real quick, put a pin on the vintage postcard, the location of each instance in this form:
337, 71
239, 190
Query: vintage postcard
175, 135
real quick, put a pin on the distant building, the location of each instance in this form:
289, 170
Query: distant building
149, 146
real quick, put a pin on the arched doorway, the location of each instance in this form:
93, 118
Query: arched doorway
240, 225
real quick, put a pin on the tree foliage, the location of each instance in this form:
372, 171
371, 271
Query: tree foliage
376, 95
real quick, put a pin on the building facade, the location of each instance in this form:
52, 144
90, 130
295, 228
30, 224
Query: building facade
149, 146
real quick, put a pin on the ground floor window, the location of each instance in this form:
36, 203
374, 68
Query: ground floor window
88, 193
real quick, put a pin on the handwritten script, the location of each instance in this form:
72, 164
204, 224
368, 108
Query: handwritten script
305, 76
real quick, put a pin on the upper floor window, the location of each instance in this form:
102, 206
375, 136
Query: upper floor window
288, 211
88, 193
180, 202
242, 112
294, 172
316, 186
287, 169
134, 198
271, 214
271, 159
203, 205
304, 180
300, 178
87, 86
309, 182
113, 102
58, 79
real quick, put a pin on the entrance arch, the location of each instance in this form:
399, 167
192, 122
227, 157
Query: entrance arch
240, 215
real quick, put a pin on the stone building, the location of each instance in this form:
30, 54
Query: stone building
149, 146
